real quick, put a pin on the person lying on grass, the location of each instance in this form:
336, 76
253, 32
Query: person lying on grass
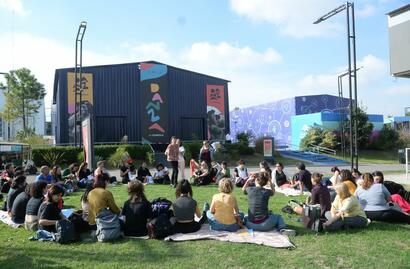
186, 208
50, 210
137, 210
319, 195
259, 217
346, 211
224, 212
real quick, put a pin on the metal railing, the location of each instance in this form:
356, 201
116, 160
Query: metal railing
321, 150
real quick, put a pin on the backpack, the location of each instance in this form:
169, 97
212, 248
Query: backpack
311, 217
108, 226
161, 206
65, 232
160, 227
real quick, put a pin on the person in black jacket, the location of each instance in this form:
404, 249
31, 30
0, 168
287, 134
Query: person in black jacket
143, 172
18, 185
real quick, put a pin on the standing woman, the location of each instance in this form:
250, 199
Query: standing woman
172, 153
205, 153
181, 161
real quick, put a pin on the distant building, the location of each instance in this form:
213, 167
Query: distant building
37, 122
399, 123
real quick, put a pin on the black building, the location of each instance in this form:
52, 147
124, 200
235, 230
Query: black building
146, 102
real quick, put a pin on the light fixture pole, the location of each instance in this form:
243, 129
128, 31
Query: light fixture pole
351, 72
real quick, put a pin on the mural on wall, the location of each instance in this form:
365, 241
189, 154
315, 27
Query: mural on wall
215, 109
154, 103
275, 119
86, 104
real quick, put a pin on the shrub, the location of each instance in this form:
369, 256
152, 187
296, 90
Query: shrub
116, 160
70, 155
192, 150
387, 139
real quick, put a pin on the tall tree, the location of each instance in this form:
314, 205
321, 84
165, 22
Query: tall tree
364, 128
23, 95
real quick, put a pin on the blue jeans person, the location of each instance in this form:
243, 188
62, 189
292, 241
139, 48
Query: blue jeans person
217, 226
272, 222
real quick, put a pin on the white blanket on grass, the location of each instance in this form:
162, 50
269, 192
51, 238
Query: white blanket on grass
272, 239
4, 217
290, 191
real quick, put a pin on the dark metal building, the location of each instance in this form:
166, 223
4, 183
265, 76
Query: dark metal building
145, 101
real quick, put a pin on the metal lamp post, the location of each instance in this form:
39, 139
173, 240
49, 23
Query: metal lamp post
351, 48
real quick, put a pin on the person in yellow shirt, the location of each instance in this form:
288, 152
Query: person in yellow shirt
348, 179
100, 198
346, 211
224, 212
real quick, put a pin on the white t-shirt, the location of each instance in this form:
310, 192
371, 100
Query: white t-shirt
181, 154
161, 173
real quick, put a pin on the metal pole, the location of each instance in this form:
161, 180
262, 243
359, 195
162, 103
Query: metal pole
355, 89
81, 90
75, 93
350, 87
339, 86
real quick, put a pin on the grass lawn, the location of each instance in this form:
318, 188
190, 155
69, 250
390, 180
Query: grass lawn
381, 245
255, 159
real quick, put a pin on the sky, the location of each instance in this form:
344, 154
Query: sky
268, 49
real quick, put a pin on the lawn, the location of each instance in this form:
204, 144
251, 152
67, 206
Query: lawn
381, 245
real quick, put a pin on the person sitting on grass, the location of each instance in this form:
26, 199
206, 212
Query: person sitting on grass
335, 178
6, 177
68, 185
100, 198
161, 175
223, 172
18, 185
185, 208
101, 170
346, 211
240, 174
348, 179
259, 217
279, 177
264, 167
224, 213
202, 176
132, 173
374, 199
18, 210
357, 176
84, 176
37, 194
56, 173
45, 175
124, 170
303, 182
137, 210
393, 187
143, 172
319, 196
85, 206
50, 212
70, 176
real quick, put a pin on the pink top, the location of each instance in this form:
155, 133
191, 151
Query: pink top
172, 152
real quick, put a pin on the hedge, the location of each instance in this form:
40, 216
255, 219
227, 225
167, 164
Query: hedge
73, 154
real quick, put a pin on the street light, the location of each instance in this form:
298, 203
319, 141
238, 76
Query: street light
351, 49
8, 122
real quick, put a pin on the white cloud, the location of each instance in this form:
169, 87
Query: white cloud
398, 90
291, 17
14, 6
157, 51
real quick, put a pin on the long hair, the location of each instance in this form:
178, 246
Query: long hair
183, 187
18, 181
54, 170
346, 175
367, 181
53, 190
343, 191
83, 164
84, 197
136, 191
37, 190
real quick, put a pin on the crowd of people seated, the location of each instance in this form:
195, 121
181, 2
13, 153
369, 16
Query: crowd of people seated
348, 199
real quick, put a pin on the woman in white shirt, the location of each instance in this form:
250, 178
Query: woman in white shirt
181, 161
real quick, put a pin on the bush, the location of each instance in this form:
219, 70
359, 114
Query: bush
387, 139
116, 160
43, 156
192, 150
238, 149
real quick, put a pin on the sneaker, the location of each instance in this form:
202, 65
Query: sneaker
206, 207
287, 209
288, 232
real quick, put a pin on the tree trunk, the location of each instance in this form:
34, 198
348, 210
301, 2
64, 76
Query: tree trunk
24, 116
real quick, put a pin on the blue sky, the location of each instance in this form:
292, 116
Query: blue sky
269, 49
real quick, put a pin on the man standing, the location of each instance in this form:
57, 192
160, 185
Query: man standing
172, 153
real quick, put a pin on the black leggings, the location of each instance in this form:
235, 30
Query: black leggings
190, 227
390, 215
174, 177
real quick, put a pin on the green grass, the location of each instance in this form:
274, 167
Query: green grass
376, 157
381, 245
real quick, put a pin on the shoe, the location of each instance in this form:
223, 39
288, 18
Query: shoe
288, 209
288, 232
206, 207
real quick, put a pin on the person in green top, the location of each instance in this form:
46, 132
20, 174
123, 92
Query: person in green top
70, 172
223, 172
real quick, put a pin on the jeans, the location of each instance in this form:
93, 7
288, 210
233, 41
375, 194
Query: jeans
347, 222
174, 177
272, 222
217, 226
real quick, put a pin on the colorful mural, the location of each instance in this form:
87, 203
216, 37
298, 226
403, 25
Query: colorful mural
215, 109
154, 106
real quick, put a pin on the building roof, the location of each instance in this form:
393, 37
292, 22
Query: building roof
56, 76
399, 10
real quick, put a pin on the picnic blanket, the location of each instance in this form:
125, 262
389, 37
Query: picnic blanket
4, 217
272, 239
291, 192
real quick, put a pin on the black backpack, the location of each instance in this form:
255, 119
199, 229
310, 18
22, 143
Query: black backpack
161, 206
65, 232
311, 217
160, 226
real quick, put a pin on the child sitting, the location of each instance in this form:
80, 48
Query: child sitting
346, 211
161, 176
240, 174
259, 217
224, 212
185, 208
